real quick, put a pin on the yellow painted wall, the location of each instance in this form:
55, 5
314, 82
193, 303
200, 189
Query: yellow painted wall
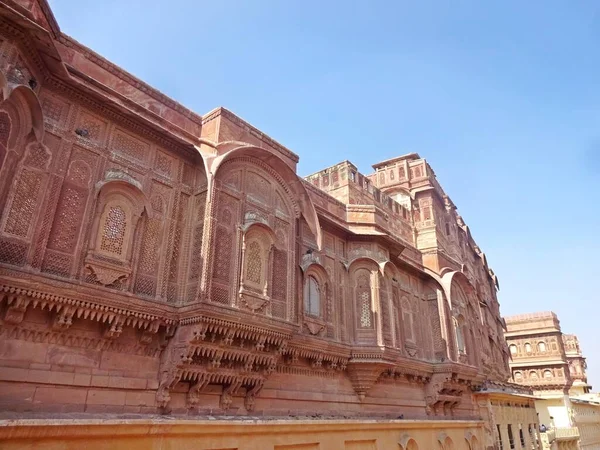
165, 434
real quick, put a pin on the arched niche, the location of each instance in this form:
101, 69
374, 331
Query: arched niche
293, 185
27, 104
408, 443
119, 207
258, 242
472, 443
445, 442
21, 125
363, 276
466, 324
315, 286
251, 198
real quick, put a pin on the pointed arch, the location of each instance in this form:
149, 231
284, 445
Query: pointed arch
289, 180
407, 442
24, 99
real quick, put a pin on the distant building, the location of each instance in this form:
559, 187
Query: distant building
552, 365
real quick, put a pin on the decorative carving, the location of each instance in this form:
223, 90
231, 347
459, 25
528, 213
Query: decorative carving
443, 393
17, 306
107, 275
121, 175
314, 328
254, 303
115, 328
224, 353
364, 373
64, 319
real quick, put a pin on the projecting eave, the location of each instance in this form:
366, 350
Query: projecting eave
388, 162
502, 395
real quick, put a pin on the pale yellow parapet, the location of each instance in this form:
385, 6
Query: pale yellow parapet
166, 434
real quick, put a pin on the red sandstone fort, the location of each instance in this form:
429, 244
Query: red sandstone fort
153, 260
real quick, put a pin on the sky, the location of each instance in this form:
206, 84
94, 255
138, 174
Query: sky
501, 98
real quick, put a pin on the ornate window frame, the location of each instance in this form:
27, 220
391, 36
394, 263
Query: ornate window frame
258, 240
364, 321
316, 323
118, 190
542, 347
312, 307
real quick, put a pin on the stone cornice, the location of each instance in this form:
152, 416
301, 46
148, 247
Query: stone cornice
221, 111
122, 74
105, 427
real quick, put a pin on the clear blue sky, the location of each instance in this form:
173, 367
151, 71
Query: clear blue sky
502, 99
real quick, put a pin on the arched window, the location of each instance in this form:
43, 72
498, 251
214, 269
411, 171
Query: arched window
460, 338
408, 321
518, 376
542, 347
254, 263
113, 229
312, 297
513, 349
120, 207
528, 347
533, 375
548, 375
258, 243
363, 299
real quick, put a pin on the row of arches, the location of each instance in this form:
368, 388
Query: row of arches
534, 376
528, 348
444, 442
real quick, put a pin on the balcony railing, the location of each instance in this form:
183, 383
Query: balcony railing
566, 433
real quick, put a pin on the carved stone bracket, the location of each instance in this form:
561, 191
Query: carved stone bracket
115, 328
150, 331
17, 306
67, 309
254, 302
364, 373
106, 274
315, 327
318, 360
443, 393
63, 319
215, 352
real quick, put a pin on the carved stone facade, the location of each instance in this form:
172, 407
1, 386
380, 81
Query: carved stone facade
154, 260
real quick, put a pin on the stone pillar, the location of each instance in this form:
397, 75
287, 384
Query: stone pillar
517, 436
527, 434
376, 307
504, 437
